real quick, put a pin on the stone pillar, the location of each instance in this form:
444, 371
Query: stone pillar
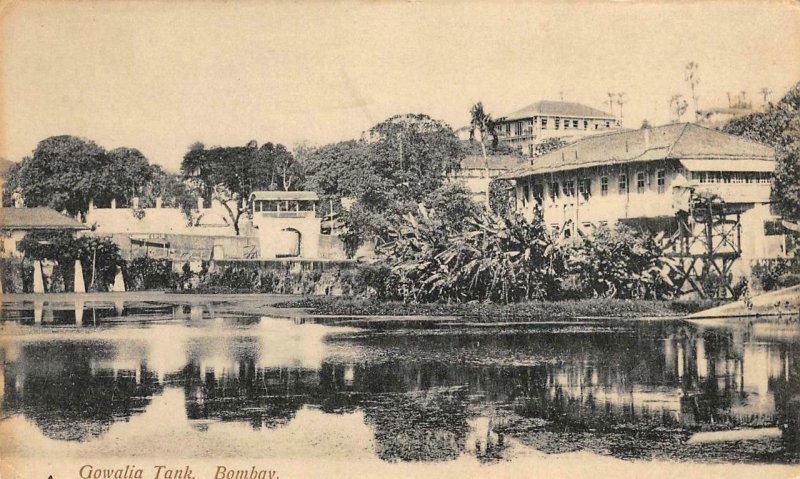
38, 277
113, 203
199, 202
119, 282
135, 202
80, 287
159, 200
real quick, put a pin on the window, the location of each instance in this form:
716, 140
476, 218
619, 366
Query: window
623, 183
661, 180
603, 185
574, 123
596, 126
526, 193
518, 128
608, 124
585, 187
558, 121
544, 123
508, 128
566, 124
569, 188
554, 190
585, 124
641, 182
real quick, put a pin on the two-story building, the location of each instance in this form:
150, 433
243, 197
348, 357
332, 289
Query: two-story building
633, 175
523, 129
475, 176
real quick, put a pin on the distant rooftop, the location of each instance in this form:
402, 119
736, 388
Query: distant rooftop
37, 219
496, 162
560, 109
680, 141
285, 195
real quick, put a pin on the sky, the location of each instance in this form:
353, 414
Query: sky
158, 76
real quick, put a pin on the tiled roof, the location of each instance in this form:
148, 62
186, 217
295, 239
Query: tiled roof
285, 195
496, 162
558, 108
676, 141
37, 218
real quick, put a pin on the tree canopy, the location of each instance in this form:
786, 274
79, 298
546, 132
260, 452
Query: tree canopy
398, 164
230, 174
779, 127
66, 173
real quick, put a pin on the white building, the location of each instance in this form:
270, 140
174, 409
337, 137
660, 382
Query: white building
644, 174
523, 129
286, 223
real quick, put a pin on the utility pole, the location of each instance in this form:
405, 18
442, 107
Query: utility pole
621, 100
766, 93
610, 102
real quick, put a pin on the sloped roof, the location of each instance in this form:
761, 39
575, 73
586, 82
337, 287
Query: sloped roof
558, 108
37, 218
676, 141
496, 162
285, 195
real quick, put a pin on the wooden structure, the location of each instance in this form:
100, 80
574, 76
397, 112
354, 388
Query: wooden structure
705, 246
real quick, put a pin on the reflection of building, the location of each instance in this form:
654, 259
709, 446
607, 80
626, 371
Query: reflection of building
523, 129
15, 223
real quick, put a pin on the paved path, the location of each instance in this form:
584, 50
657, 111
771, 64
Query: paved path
784, 302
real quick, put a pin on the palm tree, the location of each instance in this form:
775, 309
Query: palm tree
482, 123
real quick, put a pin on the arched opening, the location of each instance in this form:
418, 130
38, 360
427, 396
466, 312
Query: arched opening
288, 242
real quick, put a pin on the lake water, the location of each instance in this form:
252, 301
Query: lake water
155, 379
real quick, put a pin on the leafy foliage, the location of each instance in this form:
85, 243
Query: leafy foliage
145, 273
401, 161
64, 173
490, 259
620, 263
778, 126
230, 174
100, 256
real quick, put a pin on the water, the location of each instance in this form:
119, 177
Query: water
129, 379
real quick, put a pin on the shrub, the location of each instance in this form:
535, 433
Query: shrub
150, 273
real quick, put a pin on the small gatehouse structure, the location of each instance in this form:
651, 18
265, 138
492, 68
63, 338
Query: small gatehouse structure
286, 223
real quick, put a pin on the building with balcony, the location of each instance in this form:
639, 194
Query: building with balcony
523, 129
286, 224
647, 176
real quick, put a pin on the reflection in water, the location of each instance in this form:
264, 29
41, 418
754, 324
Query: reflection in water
424, 395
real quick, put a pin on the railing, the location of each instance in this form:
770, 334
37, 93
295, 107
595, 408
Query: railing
286, 214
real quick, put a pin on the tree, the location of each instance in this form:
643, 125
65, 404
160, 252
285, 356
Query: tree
127, 174
399, 163
678, 106
64, 173
693, 79
229, 175
779, 127
483, 124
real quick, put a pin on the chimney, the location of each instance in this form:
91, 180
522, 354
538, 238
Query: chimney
158, 201
646, 132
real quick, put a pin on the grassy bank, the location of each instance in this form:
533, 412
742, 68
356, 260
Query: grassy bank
529, 311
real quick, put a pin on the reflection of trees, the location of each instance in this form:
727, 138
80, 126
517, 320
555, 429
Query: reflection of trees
427, 426
264, 397
66, 397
